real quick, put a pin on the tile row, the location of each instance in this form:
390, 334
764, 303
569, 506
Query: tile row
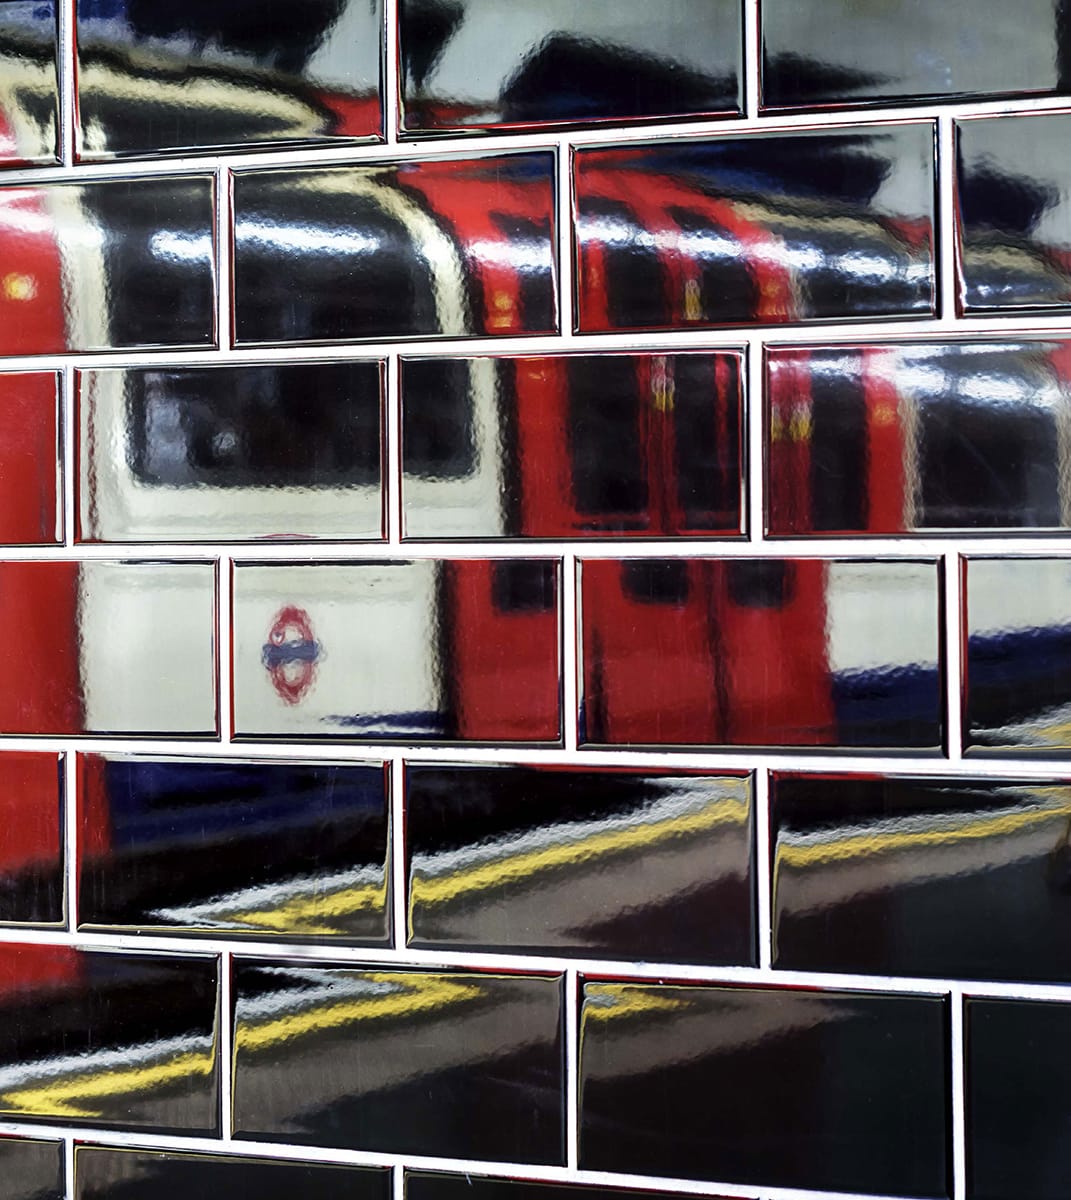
160, 76
675, 1079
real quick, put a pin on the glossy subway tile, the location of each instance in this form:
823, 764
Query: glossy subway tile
923, 437
564, 446
108, 647
692, 1082
921, 876
445, 248
435, 1185
823, 53
115, 1040
107, 264
1017, 670
223, 453
189, 76
757, 652
31, 849
30, 509
455, 1063
607, 863
522, 64
1013, 194
760, 228
1017, 1085
31, 1169
277, 849
104, 1173
29, 82
435, 650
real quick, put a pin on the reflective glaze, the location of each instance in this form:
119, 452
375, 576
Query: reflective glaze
1017, 668
29, 88
911, 876
1013, 190
112, 1174
605, 863
572, 445
228, 453
457, 1064
820, 53
30, 513
109, 1039
188, 75
107, 264
1018, 1083
430, 1185
760, 228
752, 652
911, 438
108, 647
479, 64
31, 846
219, 847
432, 650
31, 1170
693, 1082
446, 248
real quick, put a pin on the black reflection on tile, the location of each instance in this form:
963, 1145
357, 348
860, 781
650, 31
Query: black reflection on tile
31, 1170
768, 228
962, 879
433, 1185
29, 103
113, 1174
109, 1039
572, 445
840, 52
459, 1064
174, 75
264, 849
468, 65
262, 450
754, 652
107, 264
1017, 691
31, 849
905, 438
844, 1091
448, 248
1013, 196
619, 864
1018, 1099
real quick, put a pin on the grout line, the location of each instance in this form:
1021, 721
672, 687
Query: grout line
226, 1047
754, 449
393, 457
570, 650
398, 888
763, 876
391, 73
70, 839
69, 467
958, 1088
67, 63
69, 1181
224, 261
947, 254
953, 599
567, 308
571, 986
224, 648
397, 1181
752, 60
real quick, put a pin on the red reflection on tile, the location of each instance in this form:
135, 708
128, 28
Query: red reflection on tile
28, 457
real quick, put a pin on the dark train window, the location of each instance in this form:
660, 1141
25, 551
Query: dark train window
760, 582
656, 581
438, 439
524, 585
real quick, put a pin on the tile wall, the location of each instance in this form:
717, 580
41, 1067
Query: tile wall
536, 609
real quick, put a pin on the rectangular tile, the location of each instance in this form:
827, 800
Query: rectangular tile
108, 648
163, 76
754, 652
107, 264
109, 1039
565, 446
436, 1185
519, 64
29, 94
1017, 668
31, 849
900, 438
177, 454
842, 1091
824, 53
104, 1173
31, 1169
431, 650
446, 248
608, 863
951, 878
770, 228
31, 512
1013, 210
1018, 1084
217, 847
454, 1064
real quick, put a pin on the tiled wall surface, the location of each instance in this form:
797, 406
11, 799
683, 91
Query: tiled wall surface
536, 655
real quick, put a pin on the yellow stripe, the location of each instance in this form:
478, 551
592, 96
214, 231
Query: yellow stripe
629, 1000
301, 913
